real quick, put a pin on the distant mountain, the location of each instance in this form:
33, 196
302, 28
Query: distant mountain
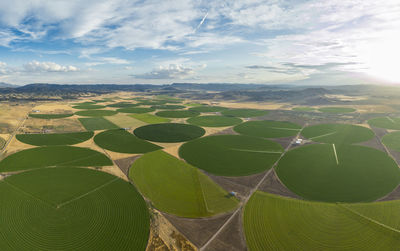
6, 85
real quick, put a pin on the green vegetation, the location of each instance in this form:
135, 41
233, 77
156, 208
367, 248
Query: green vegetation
152, 102
214, 121
392, 140
96, 113
149, 118
88, 107
244, 113
54, 139
71, 209
206, 108
122, 105
385, 122
303, 109
93, 124
178, 188
345, 173
123, 142
231, 155
336, 110
193, 104
178, 114
169, 132
338, 133
47, 156
50, 116
168, 107
136, 110
86, 103
268, 129
276, 223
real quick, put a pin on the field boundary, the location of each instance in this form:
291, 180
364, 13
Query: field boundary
253, 151
252, 191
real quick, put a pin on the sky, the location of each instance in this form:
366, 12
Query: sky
309, 42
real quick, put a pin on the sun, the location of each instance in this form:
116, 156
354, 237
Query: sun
383, 59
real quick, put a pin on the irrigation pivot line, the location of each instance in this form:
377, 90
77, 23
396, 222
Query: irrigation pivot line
334, 150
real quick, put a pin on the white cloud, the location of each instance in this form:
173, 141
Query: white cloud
173, 71
35, 66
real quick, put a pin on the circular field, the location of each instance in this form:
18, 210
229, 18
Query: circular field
169, 132
71, 209
50, 116
336, 110
88, 107
54, 138
244, 113
207, 108
177, 188
136, 110
178, 114
268, 129
231, 155
338, 133
392, 140
214, 121
345, 173
96, 113
152, 102
122, 105
273, 222
385, 122
47, 156
168, 107
123, 142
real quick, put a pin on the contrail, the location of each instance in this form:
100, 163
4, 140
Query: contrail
201, 22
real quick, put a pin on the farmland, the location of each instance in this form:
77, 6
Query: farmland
392, 140
123, 142
178, 188
324, 172
87, 107
47, 156
178, 114
135, 110
149, 118
337, 133
244, 113
195, 169
206, 108
48, 209
276, 223
268, 129
50, 116
55, 138
96, 113
229, 155
336, 109
92, 124
214, 121
169, 132
385, 122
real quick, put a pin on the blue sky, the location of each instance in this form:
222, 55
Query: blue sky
247, 41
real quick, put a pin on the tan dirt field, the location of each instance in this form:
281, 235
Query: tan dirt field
35, 125
125, 121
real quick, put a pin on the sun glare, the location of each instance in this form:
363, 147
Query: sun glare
383, 59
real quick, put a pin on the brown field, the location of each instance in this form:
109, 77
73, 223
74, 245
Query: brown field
34, 125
